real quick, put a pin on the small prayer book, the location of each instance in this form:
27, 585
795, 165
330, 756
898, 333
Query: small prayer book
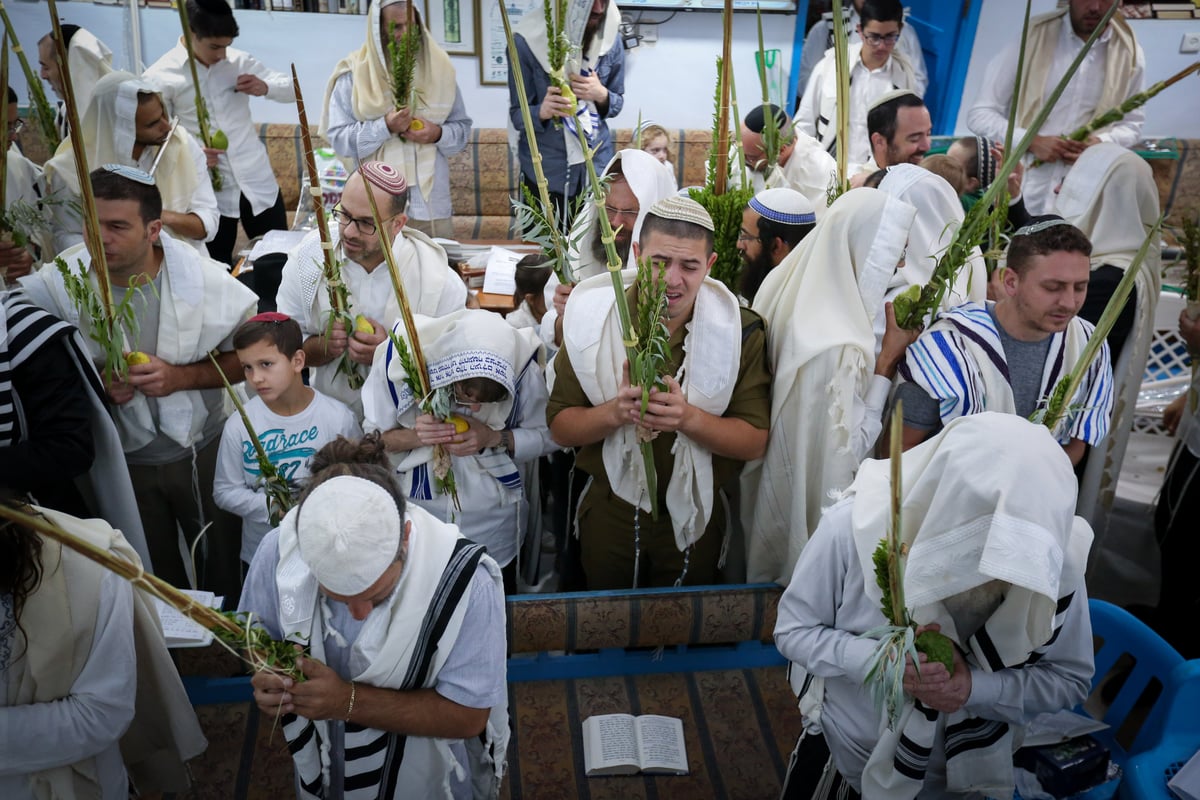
180, 631
622, 744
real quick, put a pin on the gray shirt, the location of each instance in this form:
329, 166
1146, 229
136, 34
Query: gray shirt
1026, 366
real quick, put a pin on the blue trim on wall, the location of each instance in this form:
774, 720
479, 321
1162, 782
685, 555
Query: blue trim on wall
793, 92
963, 47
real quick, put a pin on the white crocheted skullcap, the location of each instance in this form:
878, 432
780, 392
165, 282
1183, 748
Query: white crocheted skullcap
349, 532
890, 96
785, 206
682, 208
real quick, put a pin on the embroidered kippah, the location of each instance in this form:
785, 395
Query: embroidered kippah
348, 531
1038, 227
269, 316
890, 96
684, 209
133, 173
383, 176
986, 162
785, 206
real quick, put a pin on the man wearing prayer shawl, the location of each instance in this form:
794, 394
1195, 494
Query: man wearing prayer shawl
712, 417
362, 122
876, 67
493, 373
595, 68
1111, 72
228, 79
1008, 356
89, 60
637, 181
405, 693
74, 722
995, 558
823, 307
169, 410
433, 288
24, 184
126, 123
803, 164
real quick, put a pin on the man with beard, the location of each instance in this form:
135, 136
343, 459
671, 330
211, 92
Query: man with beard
143, 139
773, 223
339, 359
803, 164
597, 76
1112, 72
1008, 356
899, 126
637, 180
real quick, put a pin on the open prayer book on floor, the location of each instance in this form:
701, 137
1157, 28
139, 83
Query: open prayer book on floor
178, 630
622, 744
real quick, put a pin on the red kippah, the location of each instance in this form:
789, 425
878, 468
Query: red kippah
269, 316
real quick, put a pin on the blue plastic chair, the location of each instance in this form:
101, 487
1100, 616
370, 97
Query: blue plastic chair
1173, 740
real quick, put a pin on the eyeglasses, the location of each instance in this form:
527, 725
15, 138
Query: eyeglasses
465, 398
628, 213
16, 127
365, 226
875, 39
747, 237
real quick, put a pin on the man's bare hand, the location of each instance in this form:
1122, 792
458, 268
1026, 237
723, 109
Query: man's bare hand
936, 688
272, 693
398, 120
428, 133
119, 392
251, 85
432, 431
362, 345
336, 341
1049, 149
588, 87
323, 695
15, 262
561, 293
1173, 413
667, 410
212, 155
477, 437
895, 342
156, 378
553, 105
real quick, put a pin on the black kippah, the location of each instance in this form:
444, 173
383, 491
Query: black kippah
757, 118
218, 8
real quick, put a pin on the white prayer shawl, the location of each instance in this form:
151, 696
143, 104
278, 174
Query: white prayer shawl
939, 215
532, 28
395, 649
707, 376
433, 290
819, 306
1111, 196
164, 732
108, 477
960, 362
201, 305
809, 170
109, 129
373, 97
89, 60
466, 344
969, 517
899, 71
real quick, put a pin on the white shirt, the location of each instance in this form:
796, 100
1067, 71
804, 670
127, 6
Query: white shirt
87, 722
1076, 107
290, 442
865, 86
819, 41
825, 609
245, 167
357, 140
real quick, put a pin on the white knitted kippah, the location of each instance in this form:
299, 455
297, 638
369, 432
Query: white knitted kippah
682, 208
349, 531
892, 95
785, 206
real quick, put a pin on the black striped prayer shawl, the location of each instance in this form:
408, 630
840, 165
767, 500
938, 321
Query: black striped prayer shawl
372, 758
24, 329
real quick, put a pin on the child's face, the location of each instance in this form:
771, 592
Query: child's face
269, 371
657, 147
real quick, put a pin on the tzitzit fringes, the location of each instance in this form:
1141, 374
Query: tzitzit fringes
637, 544
687, 559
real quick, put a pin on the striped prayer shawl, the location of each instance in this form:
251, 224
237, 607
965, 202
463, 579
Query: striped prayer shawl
372, 759
978, 751
24, 329
960, 362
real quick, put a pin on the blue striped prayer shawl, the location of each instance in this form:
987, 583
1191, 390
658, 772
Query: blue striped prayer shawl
948, 361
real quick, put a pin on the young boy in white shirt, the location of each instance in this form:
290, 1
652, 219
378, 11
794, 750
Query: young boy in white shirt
292, 421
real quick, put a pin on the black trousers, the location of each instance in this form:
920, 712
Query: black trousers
809, 763
1103, 283
273, 219
1175, 525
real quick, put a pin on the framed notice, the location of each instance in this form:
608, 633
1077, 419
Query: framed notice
493, 46
452, 23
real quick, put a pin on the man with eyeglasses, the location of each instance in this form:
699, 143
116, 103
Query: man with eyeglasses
877, 67
23, 185
1111, 72
819, 40
433, 288
773, 223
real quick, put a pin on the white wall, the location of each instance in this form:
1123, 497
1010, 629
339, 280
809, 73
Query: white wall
1175, 112
670, 81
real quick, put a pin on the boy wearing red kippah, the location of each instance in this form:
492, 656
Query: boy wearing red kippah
291, 420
